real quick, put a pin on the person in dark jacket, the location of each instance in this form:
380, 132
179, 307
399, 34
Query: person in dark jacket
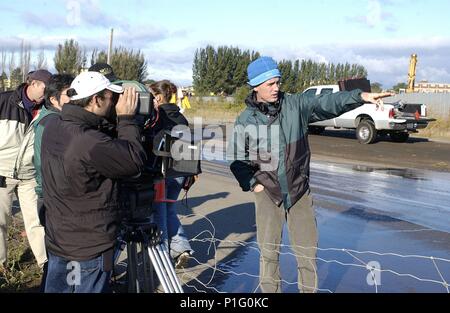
81, 168
55, 97
166, 217
18, 110
270, 156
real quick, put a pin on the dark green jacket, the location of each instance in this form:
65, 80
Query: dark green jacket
43, 119
280, 161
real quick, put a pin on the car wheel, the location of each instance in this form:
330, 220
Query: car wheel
366, 132
399, 136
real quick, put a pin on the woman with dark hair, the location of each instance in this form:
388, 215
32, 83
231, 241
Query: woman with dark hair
166, 216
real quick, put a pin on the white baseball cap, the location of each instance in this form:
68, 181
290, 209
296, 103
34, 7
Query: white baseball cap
89, 83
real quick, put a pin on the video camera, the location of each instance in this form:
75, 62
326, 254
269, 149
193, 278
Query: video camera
136, 194
145, 109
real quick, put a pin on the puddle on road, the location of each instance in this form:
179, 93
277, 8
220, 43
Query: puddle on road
397, 196
340, 271
405, 173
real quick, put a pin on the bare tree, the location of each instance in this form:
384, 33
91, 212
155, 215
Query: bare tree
94, 56
15, 72
3, 76
25, 58
22, 59
41, 61
12, 62
83, 58
3, 64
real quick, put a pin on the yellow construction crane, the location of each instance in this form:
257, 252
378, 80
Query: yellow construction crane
412, 73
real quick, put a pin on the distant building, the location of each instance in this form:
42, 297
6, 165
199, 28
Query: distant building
426, 87
189, 88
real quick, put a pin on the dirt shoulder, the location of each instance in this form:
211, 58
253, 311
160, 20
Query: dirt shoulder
420, 153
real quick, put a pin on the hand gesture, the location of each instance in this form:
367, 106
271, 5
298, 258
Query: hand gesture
376, 98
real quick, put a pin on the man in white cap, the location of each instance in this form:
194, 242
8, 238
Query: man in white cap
81, 166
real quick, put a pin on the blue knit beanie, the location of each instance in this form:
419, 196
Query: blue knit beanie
261, 70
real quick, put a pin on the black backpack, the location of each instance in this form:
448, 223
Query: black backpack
185, 165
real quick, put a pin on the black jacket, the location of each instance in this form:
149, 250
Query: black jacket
169, 116
11, 107
81, 165
16, 136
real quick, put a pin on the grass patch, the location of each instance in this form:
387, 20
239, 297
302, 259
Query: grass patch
217, 112
440, 128
22, 273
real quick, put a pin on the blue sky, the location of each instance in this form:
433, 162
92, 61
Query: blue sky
379, 34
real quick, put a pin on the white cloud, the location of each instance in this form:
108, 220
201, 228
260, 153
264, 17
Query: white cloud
387, 62
378, 15
46, 42
38, 20
373, 17
173, 65
180, 76
73, 14
432, 74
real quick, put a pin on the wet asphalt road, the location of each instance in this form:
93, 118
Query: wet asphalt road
380, 198
367, 210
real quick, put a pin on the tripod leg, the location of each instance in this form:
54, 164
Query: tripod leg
164, 254
151, 271
133, 283
159, 268
147, 270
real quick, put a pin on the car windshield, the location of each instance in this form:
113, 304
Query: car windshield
310, 92
326, 91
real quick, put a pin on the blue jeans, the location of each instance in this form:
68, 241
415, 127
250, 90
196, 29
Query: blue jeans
65, 276
166, 217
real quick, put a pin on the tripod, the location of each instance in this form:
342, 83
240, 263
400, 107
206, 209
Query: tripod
154, 256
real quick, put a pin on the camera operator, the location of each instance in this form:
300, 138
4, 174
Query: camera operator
81, 167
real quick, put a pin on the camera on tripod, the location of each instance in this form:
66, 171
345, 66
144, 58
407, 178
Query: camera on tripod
137, 194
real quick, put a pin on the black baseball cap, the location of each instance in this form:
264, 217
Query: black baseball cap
105, 69
41, 75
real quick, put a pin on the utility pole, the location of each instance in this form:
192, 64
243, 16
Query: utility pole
22, 59
110, 46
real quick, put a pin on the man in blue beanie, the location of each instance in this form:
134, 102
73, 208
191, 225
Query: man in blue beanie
282, 193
